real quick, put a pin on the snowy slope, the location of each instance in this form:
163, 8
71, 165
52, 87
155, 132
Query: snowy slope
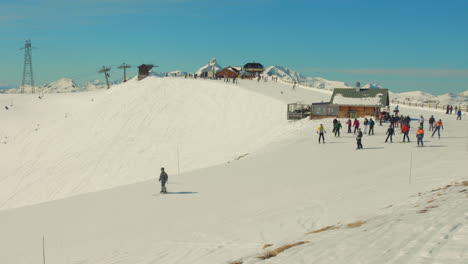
138, 125
212, 65
286, 185
430, 227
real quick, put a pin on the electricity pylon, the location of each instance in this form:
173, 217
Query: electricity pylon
28, 78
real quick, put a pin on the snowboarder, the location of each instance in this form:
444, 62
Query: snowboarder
459, 113
405, 130
420, 135
390, 133
321, 131
163, 178
359, 139
438, 125
371, 126
431, 123
337, 128
356, 125
349, 123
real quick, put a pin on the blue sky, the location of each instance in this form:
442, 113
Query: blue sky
403, 45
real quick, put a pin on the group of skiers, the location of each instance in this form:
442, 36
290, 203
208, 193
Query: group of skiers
403, 122
457, 109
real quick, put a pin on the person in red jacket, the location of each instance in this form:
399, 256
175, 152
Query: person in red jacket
405, 130
356, 125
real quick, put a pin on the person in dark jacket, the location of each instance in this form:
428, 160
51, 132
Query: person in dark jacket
335, 121
390, 133
163, 178
431, 123
459, 114
371, 126
359, 139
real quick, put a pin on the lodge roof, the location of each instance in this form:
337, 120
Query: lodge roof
360, 97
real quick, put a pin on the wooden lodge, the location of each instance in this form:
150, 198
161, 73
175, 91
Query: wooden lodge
229, 72
352, 103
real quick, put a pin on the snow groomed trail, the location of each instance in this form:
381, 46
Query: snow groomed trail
285, 187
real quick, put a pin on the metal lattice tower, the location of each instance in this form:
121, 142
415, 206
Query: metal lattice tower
28, 77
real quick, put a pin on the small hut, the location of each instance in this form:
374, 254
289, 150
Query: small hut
143, 71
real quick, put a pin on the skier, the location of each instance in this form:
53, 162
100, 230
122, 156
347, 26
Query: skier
321, 131
459, 114
438, 125
420, 135
366, 123
163, 178
451, 109
349, 123
371, 126
421, 121
390, 133
335, 121
356, 125
405, 130
337, 128
431, 123
397, 109
359, 139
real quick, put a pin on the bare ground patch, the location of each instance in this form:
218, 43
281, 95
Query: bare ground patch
356, 224
276, 251
327, 228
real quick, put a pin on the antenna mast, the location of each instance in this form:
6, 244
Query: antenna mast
28, 78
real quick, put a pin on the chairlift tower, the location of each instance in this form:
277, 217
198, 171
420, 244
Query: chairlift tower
28, 77
105, 70
124, 66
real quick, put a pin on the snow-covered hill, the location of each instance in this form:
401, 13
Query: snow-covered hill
139, 125
289, 75
64, 85
212, 65
422, 97
272, 182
